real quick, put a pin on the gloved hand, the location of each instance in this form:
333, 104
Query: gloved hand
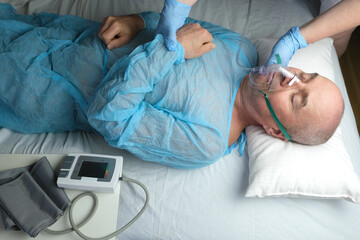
172, 18
286, 46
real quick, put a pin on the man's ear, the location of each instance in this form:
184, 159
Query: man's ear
274, 132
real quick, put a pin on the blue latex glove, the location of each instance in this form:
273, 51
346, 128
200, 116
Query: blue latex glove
172, 18
286, 46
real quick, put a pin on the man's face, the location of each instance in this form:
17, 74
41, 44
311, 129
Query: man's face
312, 102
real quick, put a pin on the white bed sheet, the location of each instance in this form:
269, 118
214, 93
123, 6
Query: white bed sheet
206, 203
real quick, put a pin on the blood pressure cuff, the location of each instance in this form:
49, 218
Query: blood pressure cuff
30, 199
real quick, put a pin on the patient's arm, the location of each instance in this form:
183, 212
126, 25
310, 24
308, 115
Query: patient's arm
118, 31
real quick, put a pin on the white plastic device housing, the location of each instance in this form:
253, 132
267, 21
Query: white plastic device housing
90, 183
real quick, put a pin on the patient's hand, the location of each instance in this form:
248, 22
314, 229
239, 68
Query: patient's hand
195, 40
118, 31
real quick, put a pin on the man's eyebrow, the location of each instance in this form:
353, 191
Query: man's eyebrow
313, 76
306, 98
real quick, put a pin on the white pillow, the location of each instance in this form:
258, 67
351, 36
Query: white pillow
288, 169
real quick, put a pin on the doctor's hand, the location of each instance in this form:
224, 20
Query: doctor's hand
118, 31
286, 47
195, 40
172, 18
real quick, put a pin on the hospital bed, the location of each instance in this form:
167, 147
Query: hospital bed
208, 203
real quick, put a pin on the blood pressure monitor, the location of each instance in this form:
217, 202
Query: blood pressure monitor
90, 172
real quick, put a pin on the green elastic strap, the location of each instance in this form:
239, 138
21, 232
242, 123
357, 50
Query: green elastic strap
278, 59
283, 130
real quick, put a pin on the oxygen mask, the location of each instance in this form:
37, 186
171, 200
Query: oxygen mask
273, 78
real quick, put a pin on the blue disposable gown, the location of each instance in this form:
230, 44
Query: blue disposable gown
56, 75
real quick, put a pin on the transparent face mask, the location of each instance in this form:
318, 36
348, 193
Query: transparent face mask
273, 78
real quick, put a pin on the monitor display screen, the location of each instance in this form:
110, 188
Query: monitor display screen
93, 169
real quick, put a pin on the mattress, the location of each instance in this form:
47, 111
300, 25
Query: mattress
206, 203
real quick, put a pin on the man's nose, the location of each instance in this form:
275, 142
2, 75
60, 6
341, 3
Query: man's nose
285, 82
291, 82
